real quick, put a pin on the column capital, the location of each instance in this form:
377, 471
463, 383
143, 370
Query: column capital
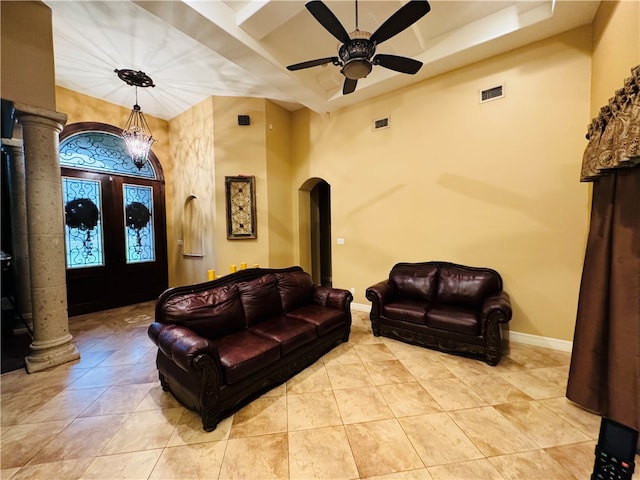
29, 114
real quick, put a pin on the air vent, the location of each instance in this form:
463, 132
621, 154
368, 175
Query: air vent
492, 93
381, 123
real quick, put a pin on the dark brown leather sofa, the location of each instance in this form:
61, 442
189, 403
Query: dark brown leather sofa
223, 343
442, 305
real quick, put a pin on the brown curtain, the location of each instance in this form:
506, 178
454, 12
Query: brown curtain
605, 364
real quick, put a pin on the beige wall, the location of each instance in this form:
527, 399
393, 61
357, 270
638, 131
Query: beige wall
27, 34
281, 227
616, 49
487, 185
192, 173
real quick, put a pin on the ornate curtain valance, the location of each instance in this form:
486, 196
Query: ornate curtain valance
614, 135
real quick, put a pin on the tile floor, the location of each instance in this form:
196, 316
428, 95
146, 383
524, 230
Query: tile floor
371, 408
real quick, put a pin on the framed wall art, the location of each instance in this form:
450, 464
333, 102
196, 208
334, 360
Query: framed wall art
240, 195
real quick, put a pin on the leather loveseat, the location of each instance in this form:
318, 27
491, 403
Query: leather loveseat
224, 342
444, 306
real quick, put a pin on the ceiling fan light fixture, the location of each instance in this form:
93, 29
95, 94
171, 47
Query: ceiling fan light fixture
356, 68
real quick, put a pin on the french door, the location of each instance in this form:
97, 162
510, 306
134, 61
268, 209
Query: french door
115, 230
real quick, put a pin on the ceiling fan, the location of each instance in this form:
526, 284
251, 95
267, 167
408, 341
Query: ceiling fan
355, 55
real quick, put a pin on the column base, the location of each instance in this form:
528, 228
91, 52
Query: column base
51, 354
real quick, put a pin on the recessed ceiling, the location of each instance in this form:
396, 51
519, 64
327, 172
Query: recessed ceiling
195, 49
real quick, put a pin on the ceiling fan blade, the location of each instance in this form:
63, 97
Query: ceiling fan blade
349, 86
406, 16
328, 20
314, 63
399, 64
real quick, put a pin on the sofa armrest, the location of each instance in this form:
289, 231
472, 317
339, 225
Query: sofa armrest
498, 305
332, 297
181, 344
378, 295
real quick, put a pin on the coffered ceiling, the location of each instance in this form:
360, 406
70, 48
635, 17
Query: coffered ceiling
194, 49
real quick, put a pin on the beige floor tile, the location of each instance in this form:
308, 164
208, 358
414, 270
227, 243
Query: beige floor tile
540, 424
494, 389
343, 354
264, 457
388, 372
578, 458
124, 466
312, 379
84, 437
348, 376
553, 375
533, 386
99, 377
438, 440
406, 350
67, 404
20, 443
534, 465
263, 416
118, 399
321, 453
145, 430
16, 407
419, 474
157, 399
139, 373
312, 410
474, 469
587, 422
490, 432
407, 399
426, 368
358, 405
463, 367
65, 470
381, 447
190, 462
189, 430
377, 352
537, 357
118, 358
6, 473
452, 394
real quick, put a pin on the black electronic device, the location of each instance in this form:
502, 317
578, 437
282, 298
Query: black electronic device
615, 451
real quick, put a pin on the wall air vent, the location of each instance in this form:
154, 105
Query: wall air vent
381, 123
492, 93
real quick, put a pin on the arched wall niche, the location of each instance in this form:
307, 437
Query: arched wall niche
192, 227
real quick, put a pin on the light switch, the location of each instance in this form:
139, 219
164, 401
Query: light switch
340, 241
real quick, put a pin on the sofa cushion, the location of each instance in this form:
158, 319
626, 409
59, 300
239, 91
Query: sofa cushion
454, 319
409, 310
244, 353
325, 319
294, 289
466, 287
417, 281
211, 313
289, 332
260, 299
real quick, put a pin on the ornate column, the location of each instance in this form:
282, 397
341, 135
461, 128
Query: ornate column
52, 342
17, 193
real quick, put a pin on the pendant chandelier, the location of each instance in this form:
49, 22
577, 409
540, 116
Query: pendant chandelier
136, 133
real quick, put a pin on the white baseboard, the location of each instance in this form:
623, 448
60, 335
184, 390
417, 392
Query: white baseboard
538, 341
360, 307
517, 337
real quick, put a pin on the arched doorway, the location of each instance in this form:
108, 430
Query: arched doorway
115, 222
315, 210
